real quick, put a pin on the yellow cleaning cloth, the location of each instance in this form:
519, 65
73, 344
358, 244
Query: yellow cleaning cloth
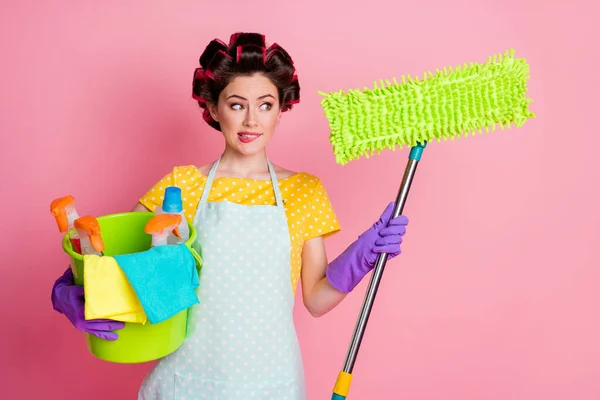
108, 293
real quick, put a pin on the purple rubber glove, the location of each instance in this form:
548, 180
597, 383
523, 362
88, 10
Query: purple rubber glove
67, 299
385, 236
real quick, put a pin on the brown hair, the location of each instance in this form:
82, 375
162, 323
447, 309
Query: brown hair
246, 54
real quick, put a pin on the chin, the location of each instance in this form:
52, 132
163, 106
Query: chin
249, 150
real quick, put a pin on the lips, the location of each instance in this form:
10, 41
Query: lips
248, 137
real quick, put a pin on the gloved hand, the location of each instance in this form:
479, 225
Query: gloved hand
385, 236
67, 299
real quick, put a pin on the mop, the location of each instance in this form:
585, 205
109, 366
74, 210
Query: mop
452, 103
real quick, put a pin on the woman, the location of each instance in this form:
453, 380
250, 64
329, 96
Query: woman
260, 229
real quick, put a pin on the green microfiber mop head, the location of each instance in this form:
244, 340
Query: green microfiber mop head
444, 105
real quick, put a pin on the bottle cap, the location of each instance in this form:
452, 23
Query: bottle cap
172, 201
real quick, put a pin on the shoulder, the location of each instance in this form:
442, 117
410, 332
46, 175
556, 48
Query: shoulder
304, 182
181, 171
304, 177
204, 169
283, 173
183, 176
307, 179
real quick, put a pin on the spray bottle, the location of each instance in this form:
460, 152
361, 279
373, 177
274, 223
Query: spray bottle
161, 227
88, 229
172, 204
63, 209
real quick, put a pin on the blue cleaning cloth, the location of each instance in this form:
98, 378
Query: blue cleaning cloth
163, 278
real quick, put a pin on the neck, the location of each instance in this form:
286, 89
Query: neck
239, 165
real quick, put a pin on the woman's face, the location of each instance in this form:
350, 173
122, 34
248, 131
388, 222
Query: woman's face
248, 112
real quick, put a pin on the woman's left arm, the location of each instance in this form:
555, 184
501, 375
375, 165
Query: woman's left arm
318, 294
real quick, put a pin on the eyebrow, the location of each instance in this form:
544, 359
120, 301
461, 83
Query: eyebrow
243, 98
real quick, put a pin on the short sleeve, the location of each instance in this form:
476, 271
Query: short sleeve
154, 197
320, 219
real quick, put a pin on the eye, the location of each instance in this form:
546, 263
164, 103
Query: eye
236, 106
266, 106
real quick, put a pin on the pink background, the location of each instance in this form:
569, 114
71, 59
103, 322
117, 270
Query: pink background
495, 295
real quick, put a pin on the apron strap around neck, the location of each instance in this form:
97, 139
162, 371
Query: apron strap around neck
275, 182
208, 184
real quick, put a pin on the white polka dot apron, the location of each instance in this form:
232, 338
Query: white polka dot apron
241, 341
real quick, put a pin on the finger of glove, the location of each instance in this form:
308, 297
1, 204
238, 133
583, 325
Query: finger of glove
399, 220
385, 216
103, 334
388, 248
393, 230
393, 239
103, 325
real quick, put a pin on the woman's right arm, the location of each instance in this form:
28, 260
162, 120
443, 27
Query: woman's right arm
139, 207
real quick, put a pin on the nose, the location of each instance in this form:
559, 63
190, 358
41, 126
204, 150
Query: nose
250, 119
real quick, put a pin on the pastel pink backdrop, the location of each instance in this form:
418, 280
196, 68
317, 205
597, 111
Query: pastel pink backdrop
495, 295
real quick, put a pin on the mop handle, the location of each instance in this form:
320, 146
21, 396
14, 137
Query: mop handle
342, 386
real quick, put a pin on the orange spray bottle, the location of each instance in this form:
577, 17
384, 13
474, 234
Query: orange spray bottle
88, 229
63, 210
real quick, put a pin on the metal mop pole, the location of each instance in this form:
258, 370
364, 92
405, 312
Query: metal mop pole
342, 385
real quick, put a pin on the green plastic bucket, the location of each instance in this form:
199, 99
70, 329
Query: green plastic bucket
137, 343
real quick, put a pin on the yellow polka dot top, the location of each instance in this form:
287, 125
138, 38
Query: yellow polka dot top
307, 206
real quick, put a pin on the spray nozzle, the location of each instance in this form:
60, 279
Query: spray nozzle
89, 226
63, 210
160, 225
